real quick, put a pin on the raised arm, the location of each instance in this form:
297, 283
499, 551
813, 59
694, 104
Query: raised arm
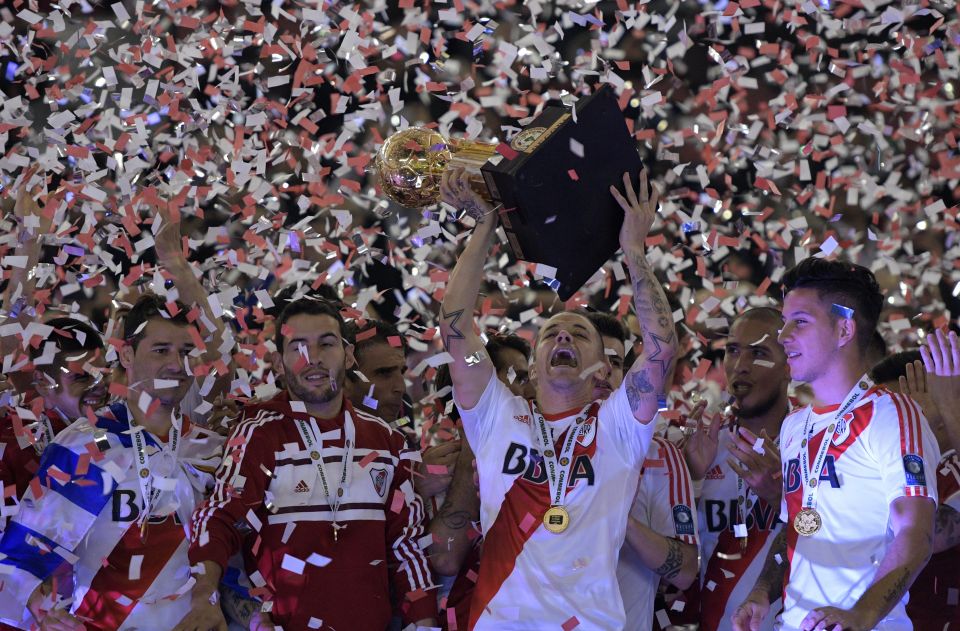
646, 383
471, 369
19, 303
171, 257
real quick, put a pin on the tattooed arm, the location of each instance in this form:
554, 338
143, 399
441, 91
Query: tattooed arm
946, 530
769, 585
646, 383
911, 519
453, 523
674, 560
471, 368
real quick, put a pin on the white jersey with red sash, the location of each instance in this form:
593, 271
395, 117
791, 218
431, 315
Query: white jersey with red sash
880, 450
85, 508
531, 578
729, 568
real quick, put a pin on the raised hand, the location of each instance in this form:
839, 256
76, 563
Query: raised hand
759, 467
916, 385
639, 208
700, 448
167, 241
456, 190
941, 361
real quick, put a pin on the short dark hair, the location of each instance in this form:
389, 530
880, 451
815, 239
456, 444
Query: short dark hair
844, 284
606, 324
892, 367
300, 289
66, 335
499, 342
310, 306
148, 307
768, 315
382, 332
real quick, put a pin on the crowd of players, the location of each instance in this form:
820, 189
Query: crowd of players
131, 503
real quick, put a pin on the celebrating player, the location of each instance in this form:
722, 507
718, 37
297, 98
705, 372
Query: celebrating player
737, 463
553, 471
326, 490
857, 505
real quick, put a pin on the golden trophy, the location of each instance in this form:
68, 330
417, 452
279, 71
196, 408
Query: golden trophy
411, 162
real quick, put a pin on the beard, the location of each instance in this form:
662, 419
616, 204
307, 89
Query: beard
322, 392
758, 408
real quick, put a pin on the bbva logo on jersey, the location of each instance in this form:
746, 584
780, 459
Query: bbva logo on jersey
528, 463
794, 480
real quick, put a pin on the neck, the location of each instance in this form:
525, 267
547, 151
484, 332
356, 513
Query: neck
325, 410
771, 420
831, 387
158, 423
553, 399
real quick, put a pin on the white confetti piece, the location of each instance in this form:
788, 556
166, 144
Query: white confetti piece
293, 564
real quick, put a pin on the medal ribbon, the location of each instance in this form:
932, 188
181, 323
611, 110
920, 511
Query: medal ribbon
557, 473
310, 434
863, 384
750, 496
144, 477
45, 436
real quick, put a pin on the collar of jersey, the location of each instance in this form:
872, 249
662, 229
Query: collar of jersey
118, 424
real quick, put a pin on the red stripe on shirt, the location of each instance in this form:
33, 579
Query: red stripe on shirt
713, 603
679, 483
113, 580
504, 542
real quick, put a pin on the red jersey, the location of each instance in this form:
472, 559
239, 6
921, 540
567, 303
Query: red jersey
268, 482
934, 595
22, 440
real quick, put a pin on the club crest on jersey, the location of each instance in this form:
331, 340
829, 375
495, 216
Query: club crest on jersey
842, 430
587, 432
379, 477
683, 519
913, 467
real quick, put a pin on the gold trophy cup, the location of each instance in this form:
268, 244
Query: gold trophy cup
411, 162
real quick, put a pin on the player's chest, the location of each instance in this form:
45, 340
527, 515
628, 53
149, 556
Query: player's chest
518, 457
303, 477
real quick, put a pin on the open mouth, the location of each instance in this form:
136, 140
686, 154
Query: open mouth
315, 378
564, 357
739, 388
792, 354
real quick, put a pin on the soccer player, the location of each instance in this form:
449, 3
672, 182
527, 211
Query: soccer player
380, 352
933, 596
858, 469
661, 540
113, 496
553, 471
324, 492
69, 377
739, 499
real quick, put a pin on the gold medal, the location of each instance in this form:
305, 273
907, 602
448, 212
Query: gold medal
315, 455
556, 519
807, 522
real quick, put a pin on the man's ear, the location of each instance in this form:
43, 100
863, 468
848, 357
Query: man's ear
847, 330
126, 356
276, 359
350, 358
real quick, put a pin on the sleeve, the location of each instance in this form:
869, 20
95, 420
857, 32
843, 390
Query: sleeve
632, 437
948, 480
58, 510
904, 447
405, 528
239, 490
787, 455
668, 494
480, 420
